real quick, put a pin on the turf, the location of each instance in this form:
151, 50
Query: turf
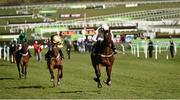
132, 78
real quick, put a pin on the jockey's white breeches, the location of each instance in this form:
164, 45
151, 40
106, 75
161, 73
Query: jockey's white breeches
20, 46
96, 38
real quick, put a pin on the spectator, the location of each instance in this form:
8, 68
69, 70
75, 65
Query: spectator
171, 47
68, 49
37, 50
150, 48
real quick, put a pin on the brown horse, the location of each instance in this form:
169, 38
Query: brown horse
104, 58
22, 59
55, 62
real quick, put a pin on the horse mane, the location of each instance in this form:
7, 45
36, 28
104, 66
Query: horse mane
107, 36
55, 50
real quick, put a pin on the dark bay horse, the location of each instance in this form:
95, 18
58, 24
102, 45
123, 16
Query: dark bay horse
12, 50
104, 58
22, 59
55, 61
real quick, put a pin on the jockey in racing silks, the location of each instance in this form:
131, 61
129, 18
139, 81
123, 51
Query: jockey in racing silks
21, 40
55, 39
98, 38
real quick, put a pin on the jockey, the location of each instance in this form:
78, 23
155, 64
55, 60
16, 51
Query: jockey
98, 38
13, 43
56, 39
21, 40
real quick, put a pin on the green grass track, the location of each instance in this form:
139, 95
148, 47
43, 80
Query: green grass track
132, 78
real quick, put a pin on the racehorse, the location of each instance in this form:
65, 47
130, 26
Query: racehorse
22, 59
104, 58
12, 50
55, 62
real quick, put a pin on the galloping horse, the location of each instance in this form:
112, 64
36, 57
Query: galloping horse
12, 51
22, 58
104, 58
55, 61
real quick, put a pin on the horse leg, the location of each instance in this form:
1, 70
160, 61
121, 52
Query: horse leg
108, 71
11, 58
51, 72
25, 70
69, 55
17, 58
22, 69
18, 69
98, 74
14, 59
59, 76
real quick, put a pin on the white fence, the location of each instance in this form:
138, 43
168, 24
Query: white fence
136, 49
4, 53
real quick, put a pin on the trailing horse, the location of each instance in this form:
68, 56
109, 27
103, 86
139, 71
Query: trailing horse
12, 50
55, 61
105, 57
22, 59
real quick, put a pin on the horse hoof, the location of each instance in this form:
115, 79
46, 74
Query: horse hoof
58, 83
52, 80
95, 79
54, 84
107, 83
99, 85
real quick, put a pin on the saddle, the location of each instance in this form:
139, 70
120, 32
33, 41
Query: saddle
99, 47
22, 53
49, 54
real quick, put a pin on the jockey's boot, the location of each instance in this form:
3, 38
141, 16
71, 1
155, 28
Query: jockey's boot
48, 55
61, 54
18, 54
114, 48
29, 54
98, 47
95, 49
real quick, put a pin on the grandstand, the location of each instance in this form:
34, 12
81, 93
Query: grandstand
29, 17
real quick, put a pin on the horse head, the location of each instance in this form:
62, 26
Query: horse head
55, 51
24, 47
107, 37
